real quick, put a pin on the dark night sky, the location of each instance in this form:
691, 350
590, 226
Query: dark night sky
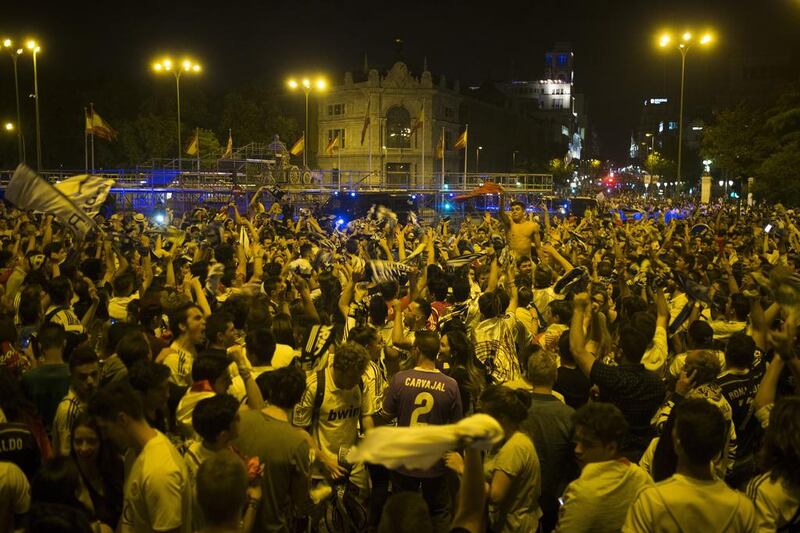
617, 62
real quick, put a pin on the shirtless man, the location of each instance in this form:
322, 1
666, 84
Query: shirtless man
520, 233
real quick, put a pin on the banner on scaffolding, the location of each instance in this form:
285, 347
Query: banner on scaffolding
28, 190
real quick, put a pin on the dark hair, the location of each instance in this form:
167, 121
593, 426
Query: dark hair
13, 402
118, 397
388, 289
179, 316
109, 462
645, 322
283, 387
504, 403
428, 344
124, 283
30, 305
60, 289
701, 430
58, 481
221, 487
214, 415
462, 354
780, 452
82, 355
363, 335
217, 323
561, 310
51, 335
524, 296
603, 422
424, 306
378, 312
438, 288
705, 364
210, 367
740, 351
57, 518
115, 333
461, 288
517, 202
564, 350
133, 347
632, 343
700, 334
260, 345
350, 356
489, 305
283, 329
145, 375
741, 306
665, 460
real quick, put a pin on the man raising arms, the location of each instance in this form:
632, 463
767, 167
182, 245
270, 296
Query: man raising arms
520, 233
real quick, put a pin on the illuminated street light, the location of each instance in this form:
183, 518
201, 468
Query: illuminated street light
187, 65
34, 47
8, 126
683, 47
14, 53
477, 157
307, 86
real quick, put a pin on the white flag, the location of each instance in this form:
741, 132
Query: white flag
86, 192
27, 190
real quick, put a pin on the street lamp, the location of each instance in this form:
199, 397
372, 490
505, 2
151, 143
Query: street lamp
652, 140
687, 40
34, 47
306, 86
186, 66
477, 157
514, 159
9, 127
15, 52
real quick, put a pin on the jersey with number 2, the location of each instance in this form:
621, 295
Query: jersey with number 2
416, 397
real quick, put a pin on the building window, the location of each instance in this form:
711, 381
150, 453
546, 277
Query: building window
448, 112
336, 109
673, 125
558, 103
332, 135
548, 59
563, 59
398, 128
448, 139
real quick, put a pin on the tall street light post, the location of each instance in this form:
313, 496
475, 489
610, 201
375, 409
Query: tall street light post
186, 66
306, 85
478, 157
14, 52
34, 47
684, 45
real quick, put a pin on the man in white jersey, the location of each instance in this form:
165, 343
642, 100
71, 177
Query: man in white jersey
157, 491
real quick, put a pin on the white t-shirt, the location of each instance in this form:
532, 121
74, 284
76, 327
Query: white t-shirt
776, 504
599, 499
66, 413
283, 355
655, 356
180, 364
158, 494
15, 494
185, 411
118, 306
681, 503
339, 413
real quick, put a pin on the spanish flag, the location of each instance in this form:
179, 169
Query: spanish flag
440, 147
194, 145
99, 127
299, 147
461, 142
333, 145
229, 149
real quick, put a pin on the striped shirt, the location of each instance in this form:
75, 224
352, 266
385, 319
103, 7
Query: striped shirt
66, 413
67, 318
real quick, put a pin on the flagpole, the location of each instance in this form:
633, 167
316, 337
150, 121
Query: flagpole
422, 166
443, 149
466, 153
85, 143
369, 132
197, 136
91, 107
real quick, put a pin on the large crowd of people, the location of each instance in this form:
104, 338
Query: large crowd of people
215, 371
